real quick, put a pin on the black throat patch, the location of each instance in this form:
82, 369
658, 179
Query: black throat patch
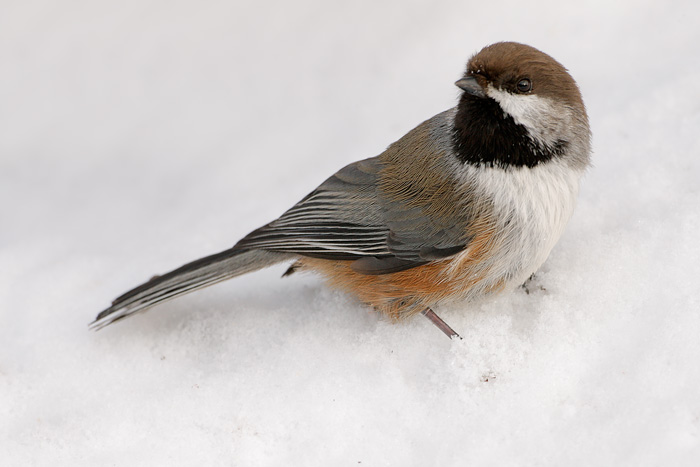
484, 135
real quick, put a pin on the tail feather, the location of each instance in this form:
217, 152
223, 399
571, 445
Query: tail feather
192, 276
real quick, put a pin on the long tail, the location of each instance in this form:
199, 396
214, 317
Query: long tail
192, 276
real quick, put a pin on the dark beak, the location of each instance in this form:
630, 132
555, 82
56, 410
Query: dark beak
470, 85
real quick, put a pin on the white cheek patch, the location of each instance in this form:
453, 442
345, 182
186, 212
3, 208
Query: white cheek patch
544, 121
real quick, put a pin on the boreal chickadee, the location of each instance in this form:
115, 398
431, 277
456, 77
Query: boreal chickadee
468, 203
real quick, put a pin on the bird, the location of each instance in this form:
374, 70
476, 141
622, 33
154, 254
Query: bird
466, 205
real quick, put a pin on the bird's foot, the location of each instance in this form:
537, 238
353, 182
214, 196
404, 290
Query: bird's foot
530, 286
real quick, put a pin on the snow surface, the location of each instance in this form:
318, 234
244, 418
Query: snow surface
138, 135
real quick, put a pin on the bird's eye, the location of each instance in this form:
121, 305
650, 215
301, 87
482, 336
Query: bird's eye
524, 85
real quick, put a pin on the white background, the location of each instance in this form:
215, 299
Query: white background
138, 135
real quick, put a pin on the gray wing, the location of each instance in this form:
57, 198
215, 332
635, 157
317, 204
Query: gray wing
348, 218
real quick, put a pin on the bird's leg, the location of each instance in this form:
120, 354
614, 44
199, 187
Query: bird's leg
437, 321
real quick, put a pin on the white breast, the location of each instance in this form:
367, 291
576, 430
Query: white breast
531, 208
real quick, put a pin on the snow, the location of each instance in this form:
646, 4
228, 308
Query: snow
137, 136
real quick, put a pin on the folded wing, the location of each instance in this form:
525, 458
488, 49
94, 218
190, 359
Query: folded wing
349, 217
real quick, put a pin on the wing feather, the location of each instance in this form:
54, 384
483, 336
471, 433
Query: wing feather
362, 214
